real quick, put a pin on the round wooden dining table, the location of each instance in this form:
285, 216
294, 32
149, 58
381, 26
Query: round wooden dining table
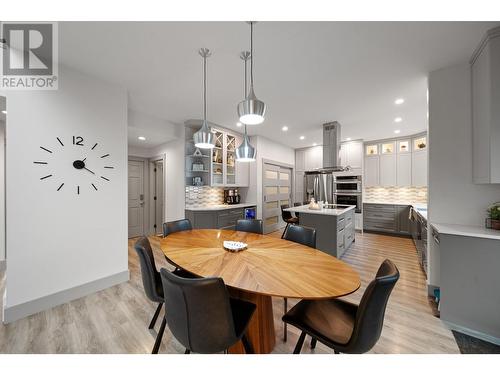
269, 267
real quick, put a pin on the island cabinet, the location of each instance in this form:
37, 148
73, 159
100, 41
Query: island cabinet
386, 218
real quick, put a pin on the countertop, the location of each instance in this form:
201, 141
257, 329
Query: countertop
325, 211
467, 230
219, 207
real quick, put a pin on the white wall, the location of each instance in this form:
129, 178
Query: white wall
453, 198
57, 240
267, 150
2, 193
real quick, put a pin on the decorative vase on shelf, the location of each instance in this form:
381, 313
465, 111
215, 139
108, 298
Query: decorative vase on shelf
494, 213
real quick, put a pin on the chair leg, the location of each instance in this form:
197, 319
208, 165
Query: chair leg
285, 310
247, 344
298, 347
283, 234
155, 316
336, 351
156, 347
187, 351
313, 343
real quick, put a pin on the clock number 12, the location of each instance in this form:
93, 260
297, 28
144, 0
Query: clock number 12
78, 141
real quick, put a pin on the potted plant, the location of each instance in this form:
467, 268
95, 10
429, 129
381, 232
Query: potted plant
494, 212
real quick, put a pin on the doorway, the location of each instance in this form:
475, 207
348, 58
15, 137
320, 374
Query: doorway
276, 191
157, 209
136, 198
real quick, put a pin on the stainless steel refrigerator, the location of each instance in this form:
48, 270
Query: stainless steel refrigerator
319, 185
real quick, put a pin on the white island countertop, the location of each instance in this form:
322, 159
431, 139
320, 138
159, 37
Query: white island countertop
325, 211
218, 207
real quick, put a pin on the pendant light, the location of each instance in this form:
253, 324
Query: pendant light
204, 138
251, 111
245, 152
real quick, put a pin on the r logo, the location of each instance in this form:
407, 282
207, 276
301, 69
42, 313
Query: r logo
30, 51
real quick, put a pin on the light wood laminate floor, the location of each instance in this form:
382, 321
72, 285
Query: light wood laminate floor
115, 320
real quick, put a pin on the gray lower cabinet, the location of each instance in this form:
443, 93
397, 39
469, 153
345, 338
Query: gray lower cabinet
221, 219
386, 218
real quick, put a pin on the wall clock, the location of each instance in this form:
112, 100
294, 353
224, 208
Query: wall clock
74, 164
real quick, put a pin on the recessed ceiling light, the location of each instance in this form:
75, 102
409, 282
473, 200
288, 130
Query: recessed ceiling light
4, 112
399, 101
141, 138
238, 124
397, 131
284, 128
302, 137
315, 144
398, 119
348, 139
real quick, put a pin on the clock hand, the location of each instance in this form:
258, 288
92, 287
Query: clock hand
88, 170
84, 159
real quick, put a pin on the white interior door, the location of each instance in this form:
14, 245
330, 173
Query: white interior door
135, 198
276, 191
158, 196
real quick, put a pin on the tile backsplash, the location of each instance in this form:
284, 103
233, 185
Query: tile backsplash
204, 196
395, 194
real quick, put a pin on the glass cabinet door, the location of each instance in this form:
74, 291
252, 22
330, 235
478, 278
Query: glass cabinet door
230, 159
218, 159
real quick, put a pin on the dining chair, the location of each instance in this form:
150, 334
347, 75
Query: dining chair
202, 316
297, 204
249, 225
151, 281
304, 236
287, 217
344, 326
176, 226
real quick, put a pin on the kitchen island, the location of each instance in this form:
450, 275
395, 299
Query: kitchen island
334, 227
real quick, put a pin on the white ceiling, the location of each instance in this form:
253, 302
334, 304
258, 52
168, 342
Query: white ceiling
308, 73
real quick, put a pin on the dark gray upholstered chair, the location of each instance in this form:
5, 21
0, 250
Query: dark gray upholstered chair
249, 225
343, 326
202, 316
304, 236
176, 226
287, 217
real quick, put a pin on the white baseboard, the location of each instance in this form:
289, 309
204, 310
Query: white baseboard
471, 332
13, 313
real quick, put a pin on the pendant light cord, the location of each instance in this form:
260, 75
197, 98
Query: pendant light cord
205, 88
245, 60
251, 55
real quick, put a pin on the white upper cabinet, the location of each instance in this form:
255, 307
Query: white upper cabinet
313, 158
371, 171
351, 154
300, 160
485, 67
401, 162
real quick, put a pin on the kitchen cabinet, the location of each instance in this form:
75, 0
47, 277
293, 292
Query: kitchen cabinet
299, 186
386, 218
313, 158
400, 162
485, 71
419, 168
404, 169
215, 219
351, 154
372, 171
387, 170
300, 160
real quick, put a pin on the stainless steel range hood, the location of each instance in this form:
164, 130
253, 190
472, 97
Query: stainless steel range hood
331, 147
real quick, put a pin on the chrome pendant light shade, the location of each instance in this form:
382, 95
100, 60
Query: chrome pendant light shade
204, 138
251, 111
245, 152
